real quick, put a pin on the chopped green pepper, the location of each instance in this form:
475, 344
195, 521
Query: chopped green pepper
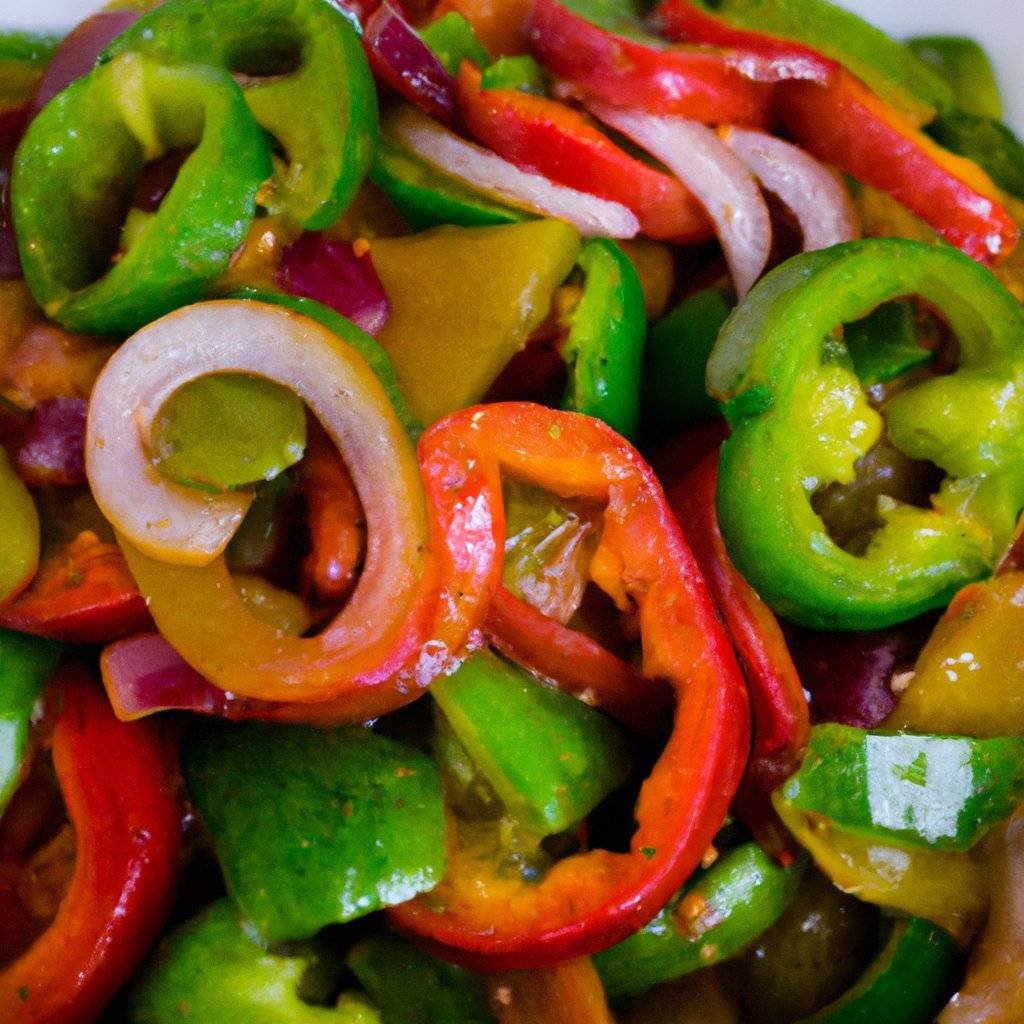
937, 792
213, 970
426, 198
453, 40
721, 912
883, 345
74, 172
966, 69
26, 664
291, 56
313, 827
522, 73
675, 362
411, 987
228, 430
987, 142
604, 350
800, 421
907, 983
549, 757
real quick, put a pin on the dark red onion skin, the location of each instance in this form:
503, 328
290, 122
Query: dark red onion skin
329, 271
400, 58
848, 674
10, 263
78, 52
54, 448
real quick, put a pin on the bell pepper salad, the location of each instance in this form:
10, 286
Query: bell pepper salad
512, 515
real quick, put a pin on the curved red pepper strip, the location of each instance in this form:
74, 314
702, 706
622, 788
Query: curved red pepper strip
337, 526
771, 58
546, 137
83, 594
119, 783
690, 82
590, 900
578, 664
781, 715
846, 124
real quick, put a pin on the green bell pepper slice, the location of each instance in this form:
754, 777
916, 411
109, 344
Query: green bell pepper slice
800, 421
965, 67
26, 664
987, 142
936, 792
370, 349
228, 430
522, 73
883, 345
907, 983
452, 40
676, 358
19, 556
23, 58
305, 77
412, 987
212, 970
742, 895
427, 198
549, 757
73, 176
313, 827
889, 67
605, 347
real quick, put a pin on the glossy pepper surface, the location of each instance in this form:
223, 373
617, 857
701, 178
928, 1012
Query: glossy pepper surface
110, 124
119, 782
783, 394
589, 900
290, 55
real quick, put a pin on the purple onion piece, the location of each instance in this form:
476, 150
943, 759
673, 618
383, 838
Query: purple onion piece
317, 267
54, 448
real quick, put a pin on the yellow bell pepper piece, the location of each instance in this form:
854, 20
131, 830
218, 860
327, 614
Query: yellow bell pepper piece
463, 302
20, 549
969, 679
947, 888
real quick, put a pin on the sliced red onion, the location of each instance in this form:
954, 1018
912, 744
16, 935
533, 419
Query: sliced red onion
400, 58
10, 264
13, 119
317, 267
813, 192
486, 172
144, 674
724, 186
54, 448
78, 52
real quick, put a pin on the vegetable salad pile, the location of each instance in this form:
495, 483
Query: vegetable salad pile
511, 516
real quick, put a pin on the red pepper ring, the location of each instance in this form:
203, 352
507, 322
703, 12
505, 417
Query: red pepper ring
119, 781
590, 900
781, 715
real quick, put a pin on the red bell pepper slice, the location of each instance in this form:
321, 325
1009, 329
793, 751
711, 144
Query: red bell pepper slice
577, 664
546, 137
337, 527
83, 594
119, 783
590, 900
846, 124
692, 82
781, 715
770, 57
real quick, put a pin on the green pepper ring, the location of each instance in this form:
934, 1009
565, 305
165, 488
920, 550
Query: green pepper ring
77, 165
970, 423
304, 75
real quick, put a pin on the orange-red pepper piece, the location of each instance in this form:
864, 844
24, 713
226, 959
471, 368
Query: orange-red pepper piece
569, 993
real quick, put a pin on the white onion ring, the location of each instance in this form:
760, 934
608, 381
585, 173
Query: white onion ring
813, 192
488, 173
724, 186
